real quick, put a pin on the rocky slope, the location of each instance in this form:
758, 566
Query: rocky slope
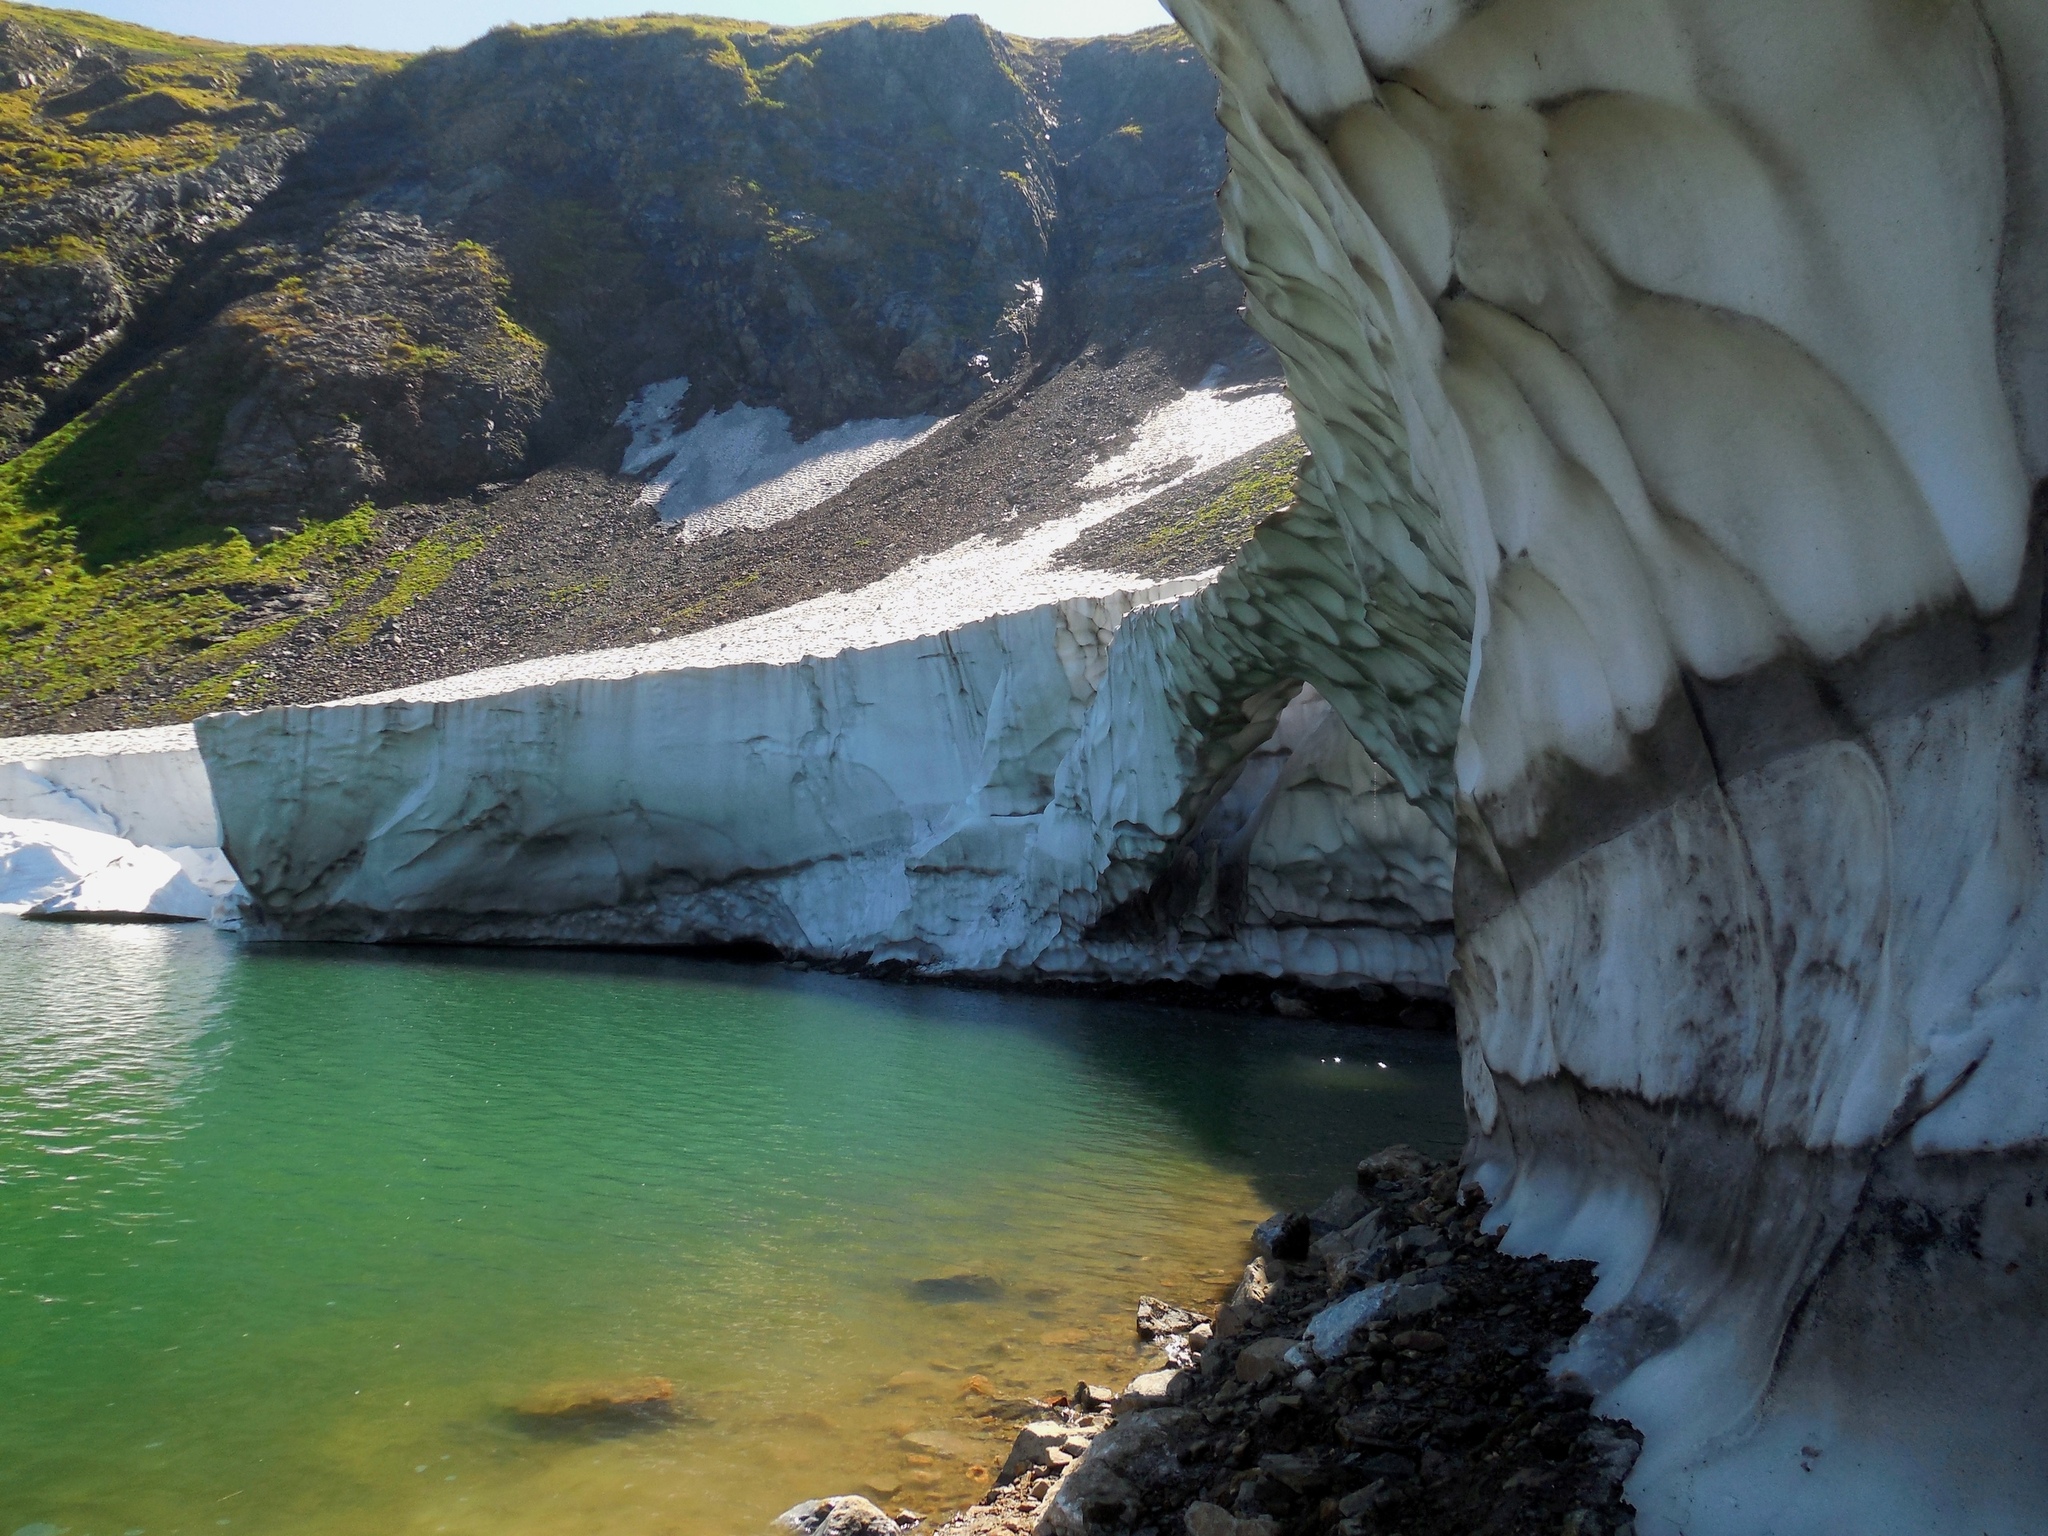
246, 294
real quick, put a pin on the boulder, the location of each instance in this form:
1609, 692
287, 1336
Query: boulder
1419, 1299
1032, 1449
1158, 1318
1339, 1211
1154, 1389
848, 1514
1100, 1491
1263, 1359
1284, 1236
1399, 1161
1205, 1519
1332, 1332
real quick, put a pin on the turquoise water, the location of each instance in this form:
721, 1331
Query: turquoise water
286, 1233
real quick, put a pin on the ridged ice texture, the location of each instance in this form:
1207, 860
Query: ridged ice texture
1704, 344
890, 801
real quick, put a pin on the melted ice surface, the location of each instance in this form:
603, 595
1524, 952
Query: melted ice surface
741, 468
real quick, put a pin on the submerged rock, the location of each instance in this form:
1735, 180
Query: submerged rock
625, 1403
951, 1288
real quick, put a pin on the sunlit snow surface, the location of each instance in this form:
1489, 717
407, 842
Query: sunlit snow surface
982, 576
741, 468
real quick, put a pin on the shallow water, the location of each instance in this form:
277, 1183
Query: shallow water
285, 1233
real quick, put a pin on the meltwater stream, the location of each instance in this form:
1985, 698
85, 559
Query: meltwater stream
284, 1234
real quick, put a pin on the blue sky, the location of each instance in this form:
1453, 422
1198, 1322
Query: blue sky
415, 24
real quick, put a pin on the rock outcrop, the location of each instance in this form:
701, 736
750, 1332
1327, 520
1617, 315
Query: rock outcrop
1686, 366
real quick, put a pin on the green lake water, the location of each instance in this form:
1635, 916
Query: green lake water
286, 1233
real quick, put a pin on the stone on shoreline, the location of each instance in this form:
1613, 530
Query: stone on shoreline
1157, 1318
1285, 1236
847, 1514
1215, 1520
1341, 1414
1154, 1389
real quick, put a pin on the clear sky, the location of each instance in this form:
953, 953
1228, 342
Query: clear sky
416, 24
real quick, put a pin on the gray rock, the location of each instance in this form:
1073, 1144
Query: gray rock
1304, 1474
1158, 1318
846, 1515
1419, 1299
1100, 1490
1399, 1161
1333, 1331
1285, 1235
1033, 1449
1263, 1359
1154, 1389
1214, 1520
1340, 1210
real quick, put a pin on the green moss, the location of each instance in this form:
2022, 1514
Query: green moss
1194, 534
1266, 486
64, 250
41, 156
565, 596
70, 629
416, 572
715, 599
125, 479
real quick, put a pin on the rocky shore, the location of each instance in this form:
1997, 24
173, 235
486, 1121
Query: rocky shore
1380, 1370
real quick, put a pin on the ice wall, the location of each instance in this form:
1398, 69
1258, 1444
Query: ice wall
1683, 366
889, 801
107, 825
147, 786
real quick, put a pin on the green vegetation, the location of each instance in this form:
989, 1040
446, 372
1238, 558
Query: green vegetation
177, 106
1217, 527
416, 572
108, 571
65, 249
713, 602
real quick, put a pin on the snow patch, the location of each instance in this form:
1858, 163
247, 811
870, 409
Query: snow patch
742, 468
979, 578
1203, 430
66, 873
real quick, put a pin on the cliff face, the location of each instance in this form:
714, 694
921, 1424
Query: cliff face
488, 251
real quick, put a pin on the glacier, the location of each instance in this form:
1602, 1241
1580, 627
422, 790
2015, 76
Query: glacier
1676, 378
952, 770
112, 825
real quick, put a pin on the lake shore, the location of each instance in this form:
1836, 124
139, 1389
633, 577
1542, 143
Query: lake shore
1381, 1367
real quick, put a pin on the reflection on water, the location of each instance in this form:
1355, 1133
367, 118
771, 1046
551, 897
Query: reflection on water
288, 1239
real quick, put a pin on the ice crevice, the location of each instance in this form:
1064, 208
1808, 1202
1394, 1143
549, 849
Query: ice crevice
1694, 354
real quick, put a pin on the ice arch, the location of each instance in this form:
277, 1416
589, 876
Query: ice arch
1689, 360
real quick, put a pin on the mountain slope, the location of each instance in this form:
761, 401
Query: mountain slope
455, 271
